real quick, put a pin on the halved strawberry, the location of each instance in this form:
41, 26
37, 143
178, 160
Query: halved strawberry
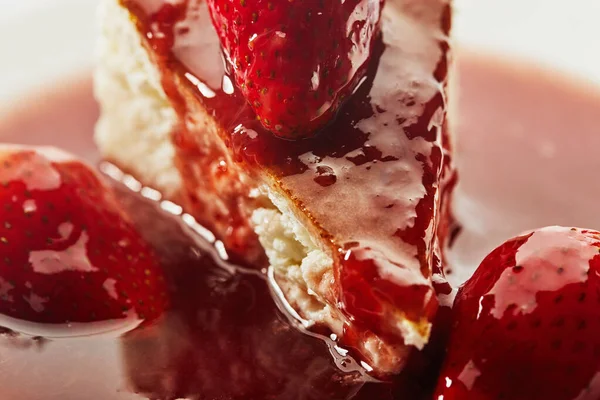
296, 61
527, 324
71, 262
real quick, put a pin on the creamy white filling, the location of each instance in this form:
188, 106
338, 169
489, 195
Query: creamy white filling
297, 259
136, 119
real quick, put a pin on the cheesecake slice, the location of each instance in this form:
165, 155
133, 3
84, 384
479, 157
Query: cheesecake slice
352, 221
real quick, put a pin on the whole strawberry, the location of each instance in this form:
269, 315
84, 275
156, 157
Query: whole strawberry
296, 61
527, 324
71, 263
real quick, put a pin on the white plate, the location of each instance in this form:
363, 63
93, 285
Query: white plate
560, 33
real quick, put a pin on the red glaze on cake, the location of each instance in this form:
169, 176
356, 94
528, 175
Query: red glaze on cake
372, 186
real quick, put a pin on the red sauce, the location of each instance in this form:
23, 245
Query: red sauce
389, 138
499, 157
222, 337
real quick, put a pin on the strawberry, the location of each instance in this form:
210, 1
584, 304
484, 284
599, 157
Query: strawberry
527, 324
295, 61
71, 262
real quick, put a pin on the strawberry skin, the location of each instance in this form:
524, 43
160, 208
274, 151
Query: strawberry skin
296, 61
527, 324
71, 262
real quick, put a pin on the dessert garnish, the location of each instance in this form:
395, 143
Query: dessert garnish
71, 262
526, 324
296, 61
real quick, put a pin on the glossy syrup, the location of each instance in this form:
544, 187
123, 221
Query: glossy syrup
371, 184
222, 337
233, 317
499, 157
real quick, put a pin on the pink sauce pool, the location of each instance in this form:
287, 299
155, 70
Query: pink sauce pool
526, 153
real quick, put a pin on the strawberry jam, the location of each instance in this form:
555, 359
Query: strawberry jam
386, 157
497, 158
222, 337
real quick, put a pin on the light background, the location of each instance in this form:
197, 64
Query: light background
43, 40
